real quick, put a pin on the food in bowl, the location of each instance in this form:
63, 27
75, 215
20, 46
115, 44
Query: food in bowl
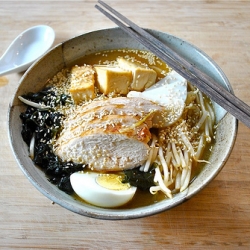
102, 130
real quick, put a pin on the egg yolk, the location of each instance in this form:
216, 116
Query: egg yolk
112, 182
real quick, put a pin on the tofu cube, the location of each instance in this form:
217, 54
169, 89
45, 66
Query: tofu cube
113, 79
143, 77
82, 86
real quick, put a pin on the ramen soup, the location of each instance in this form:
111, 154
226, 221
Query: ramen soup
119, 128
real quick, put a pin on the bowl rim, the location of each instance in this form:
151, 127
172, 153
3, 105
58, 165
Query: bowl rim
117, 214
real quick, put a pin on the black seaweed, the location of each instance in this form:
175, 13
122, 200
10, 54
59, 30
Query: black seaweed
45, 125
48, 97
140, 179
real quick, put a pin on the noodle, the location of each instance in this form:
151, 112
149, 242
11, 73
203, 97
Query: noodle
158, 179
176, 155
164, 165
186, 181
187, 144
152, 155
183, 162
184, 143
178, 180
200, 147
145, 168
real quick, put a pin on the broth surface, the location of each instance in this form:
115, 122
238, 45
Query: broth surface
143, 198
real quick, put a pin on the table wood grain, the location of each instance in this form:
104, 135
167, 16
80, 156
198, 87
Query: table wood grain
216, 218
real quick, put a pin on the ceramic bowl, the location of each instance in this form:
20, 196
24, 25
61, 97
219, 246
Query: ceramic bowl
65, 54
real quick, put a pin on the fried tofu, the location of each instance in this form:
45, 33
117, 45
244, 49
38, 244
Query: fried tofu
113, 79
82, 86
143, 77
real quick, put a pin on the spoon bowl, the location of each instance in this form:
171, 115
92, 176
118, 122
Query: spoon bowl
26, 48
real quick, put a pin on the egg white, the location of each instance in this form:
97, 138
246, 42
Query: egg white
86, 187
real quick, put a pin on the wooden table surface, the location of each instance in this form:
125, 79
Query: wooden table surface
216, 218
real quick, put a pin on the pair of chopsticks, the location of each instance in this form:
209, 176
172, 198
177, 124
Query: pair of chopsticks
203, 82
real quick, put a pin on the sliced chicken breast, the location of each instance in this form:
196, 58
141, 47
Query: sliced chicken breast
108, 135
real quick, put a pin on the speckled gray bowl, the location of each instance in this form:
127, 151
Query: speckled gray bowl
65, 54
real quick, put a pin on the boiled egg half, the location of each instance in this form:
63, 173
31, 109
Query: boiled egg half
103, 190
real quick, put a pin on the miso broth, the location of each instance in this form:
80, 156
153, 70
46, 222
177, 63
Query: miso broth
172, 140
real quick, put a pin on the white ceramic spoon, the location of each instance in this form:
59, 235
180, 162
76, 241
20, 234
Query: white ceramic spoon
26, 48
